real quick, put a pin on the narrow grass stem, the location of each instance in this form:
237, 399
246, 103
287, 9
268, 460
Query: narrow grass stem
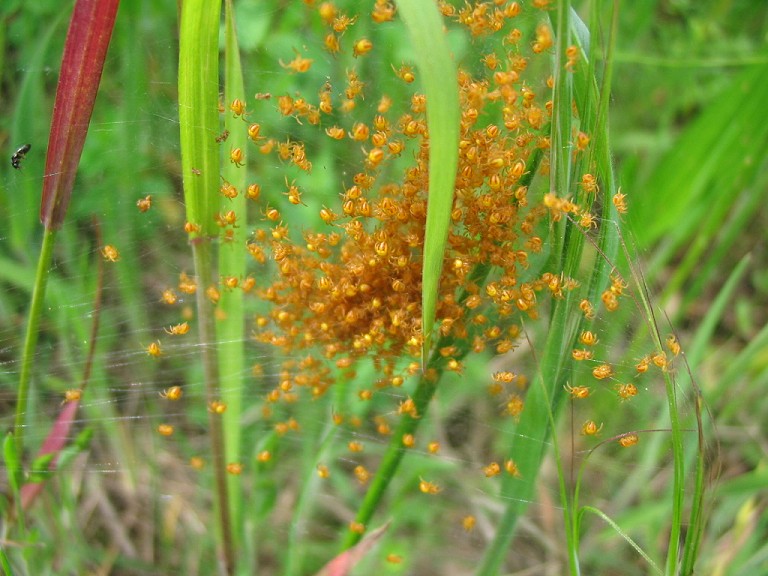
231, 326
201, 251
30, 340
678, 452
424, 392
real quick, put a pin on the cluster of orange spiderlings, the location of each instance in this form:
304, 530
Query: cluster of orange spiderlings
354, 288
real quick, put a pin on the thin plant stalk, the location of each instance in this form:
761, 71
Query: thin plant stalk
545, 396
207, 333
678, 453
61, 430
33, 330
199, 125
230, 327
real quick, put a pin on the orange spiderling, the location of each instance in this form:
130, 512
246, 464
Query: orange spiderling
172, 393
356, 446
298, 64
357, 527
629, 440
362, 474
237, 107
178, 329
362, 47
603, 371
581, 354
429, 487
588, 338
72, 395
619, 202
110, 253
144, 204
590, 428
578, 392
673, 344
154, 349
511, 467
626, 391
217, 407
236, 157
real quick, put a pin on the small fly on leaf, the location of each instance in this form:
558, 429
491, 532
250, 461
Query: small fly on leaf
18, 156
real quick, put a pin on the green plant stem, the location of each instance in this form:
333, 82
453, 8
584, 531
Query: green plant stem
5, 563
424, 392
199, 124
231, 327
623, 534
201, 252
678, 451
532, 434
30, 340
545, 396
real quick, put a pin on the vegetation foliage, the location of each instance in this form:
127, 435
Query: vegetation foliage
328, 294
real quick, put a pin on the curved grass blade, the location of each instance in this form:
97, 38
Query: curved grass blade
696, 522
438, 72
656, 569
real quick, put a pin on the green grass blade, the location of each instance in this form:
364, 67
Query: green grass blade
199, 125
5, 562
696, 353
532, 435
198, 112
730, 133
231, 327
30, 338
656, 569
438, 73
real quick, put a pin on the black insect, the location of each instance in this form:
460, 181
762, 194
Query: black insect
18, 156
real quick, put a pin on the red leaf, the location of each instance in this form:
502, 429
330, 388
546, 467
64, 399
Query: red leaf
54, 442
84, 51
347, 560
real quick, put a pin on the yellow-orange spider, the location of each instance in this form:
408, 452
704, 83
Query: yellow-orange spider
110, 253
172, 393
